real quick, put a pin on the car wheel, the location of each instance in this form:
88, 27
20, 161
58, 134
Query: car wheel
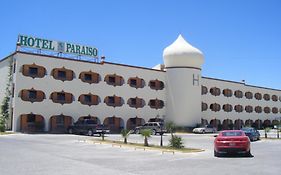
137, 131
154, 132
90, 132
248, 154
216, 154
70, 131
203, 132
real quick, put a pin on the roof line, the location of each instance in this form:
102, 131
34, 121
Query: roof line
230, 81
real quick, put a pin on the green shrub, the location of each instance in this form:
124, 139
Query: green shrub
2, 124
176, 142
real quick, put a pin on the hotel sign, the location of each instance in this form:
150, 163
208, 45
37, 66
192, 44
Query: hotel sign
56, 46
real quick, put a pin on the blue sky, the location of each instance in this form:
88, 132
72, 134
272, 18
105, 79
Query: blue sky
241, 39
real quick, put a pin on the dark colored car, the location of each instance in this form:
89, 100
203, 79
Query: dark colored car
155, 127
87, 127
252, 133
232, 141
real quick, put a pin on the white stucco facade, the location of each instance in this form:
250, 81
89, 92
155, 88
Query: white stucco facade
182, 93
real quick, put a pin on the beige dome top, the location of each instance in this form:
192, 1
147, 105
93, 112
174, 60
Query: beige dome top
182, 54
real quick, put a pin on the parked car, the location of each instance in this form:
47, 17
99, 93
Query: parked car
205, 129
252, 133
87, 127
232, 141
155, 127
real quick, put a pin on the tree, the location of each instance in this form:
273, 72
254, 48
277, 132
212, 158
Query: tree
5, 114
170, 126
125, 134
145, 133
176, 142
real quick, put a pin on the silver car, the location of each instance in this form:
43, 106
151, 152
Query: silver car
155, 127
205, 129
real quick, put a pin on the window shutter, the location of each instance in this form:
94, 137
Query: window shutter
106, 100
54, 97
40, 95
80, 98
25, 70
24, 94
139, 102
95, 99
41, 71
95, 77
69, 98
106, 79
118, 80
53, 122
69, 75
117, 101
82, 76
139, 82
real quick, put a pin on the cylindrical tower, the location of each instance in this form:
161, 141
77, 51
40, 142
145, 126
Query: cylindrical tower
183, 79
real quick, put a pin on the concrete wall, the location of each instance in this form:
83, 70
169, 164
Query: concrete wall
48, 84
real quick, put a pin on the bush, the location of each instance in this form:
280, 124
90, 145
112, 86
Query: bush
176, 142
2, 124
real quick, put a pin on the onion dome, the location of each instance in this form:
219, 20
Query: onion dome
181, 54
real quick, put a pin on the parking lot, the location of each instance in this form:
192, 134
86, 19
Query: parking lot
69, 154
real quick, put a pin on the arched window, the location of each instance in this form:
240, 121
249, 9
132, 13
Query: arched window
136, 102
89, 99
274, 110
136, 82
156, 84
227, 92
62, 97
238, 94
62, 74
215, 107
215, 91
33, 70
258, 109
238, 108
32, 95
249, 95
204, 90
227, 107
266, 110
258, 96
156, 103
274, 98
89, 77
266, 97
114, 80
249, 109
113, 101
204, 106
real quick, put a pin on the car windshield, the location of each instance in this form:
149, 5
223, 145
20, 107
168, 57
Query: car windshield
231, 133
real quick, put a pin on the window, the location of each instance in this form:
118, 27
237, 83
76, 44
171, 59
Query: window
215, 107
31, 118
114, 80
133, 101
238, 108
274, 98
156, 104
274, 110
156, 84
204, 90
88, 98
32, 94
111, 121
113, 101
249, 95
258, 109
136, 102
227, 108
111, 79
204, 106
238, 94
266, 110
249, 109
227, 92
258, 96
215, 91
61, 96
88, 77
136, 82
266, 97
61, 74
60, 120
33, 71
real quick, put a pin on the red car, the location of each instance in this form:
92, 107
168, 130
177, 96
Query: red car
232, 141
